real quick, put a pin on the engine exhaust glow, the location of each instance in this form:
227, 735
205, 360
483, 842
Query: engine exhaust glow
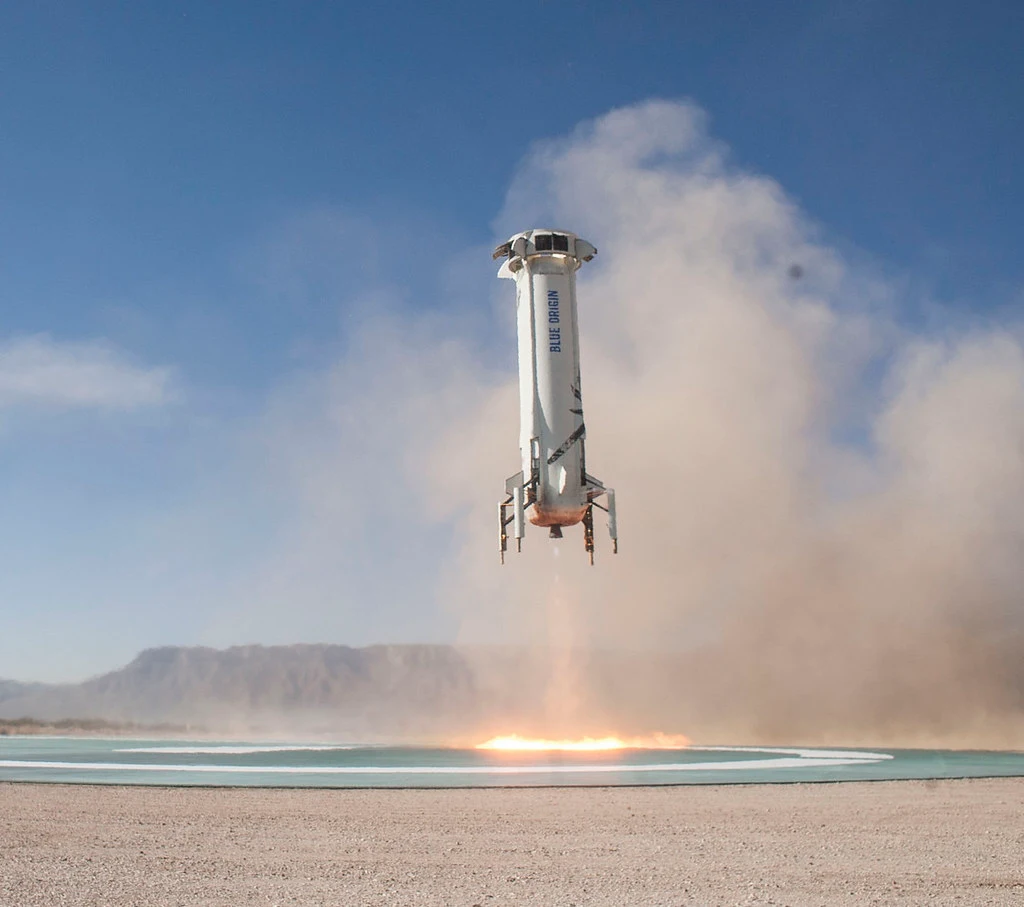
516, 743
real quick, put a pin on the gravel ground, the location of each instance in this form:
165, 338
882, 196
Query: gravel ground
908, 842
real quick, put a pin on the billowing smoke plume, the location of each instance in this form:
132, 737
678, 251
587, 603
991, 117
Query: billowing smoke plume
823, 510
820, 508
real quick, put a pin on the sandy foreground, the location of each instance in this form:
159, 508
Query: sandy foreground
946, 842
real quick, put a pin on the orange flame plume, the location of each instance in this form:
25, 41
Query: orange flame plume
516, 743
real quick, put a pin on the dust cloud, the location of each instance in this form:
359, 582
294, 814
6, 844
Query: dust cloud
820, 503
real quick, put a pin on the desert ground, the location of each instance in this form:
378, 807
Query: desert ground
941, 842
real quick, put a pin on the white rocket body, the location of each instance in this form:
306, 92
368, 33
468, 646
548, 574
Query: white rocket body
550, 403
553, 489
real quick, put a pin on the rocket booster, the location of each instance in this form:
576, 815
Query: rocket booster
553, 489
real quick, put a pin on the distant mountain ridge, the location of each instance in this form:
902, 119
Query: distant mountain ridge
395, 692
326, 688
446, 694
13, 689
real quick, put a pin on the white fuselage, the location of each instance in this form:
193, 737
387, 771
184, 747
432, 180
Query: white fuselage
552, 431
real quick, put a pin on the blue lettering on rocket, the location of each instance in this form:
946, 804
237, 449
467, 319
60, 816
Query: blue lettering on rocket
554, 334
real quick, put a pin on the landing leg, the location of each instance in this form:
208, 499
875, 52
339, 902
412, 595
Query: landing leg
502, 531
613, 529
588, 533
520, 497
518, 516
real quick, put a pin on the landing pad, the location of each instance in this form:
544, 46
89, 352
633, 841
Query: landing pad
233, 764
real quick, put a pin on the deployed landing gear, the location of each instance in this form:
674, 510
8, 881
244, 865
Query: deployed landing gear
588, 533
520, 496
613, 529
513, 511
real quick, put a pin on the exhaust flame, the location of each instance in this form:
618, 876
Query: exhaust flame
515, 743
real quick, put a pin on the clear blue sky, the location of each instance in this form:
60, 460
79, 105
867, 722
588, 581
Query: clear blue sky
160, 164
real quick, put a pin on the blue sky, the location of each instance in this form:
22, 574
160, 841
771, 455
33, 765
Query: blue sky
200, 202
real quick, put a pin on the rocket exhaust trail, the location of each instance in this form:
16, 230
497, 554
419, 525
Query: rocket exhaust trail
553, 488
